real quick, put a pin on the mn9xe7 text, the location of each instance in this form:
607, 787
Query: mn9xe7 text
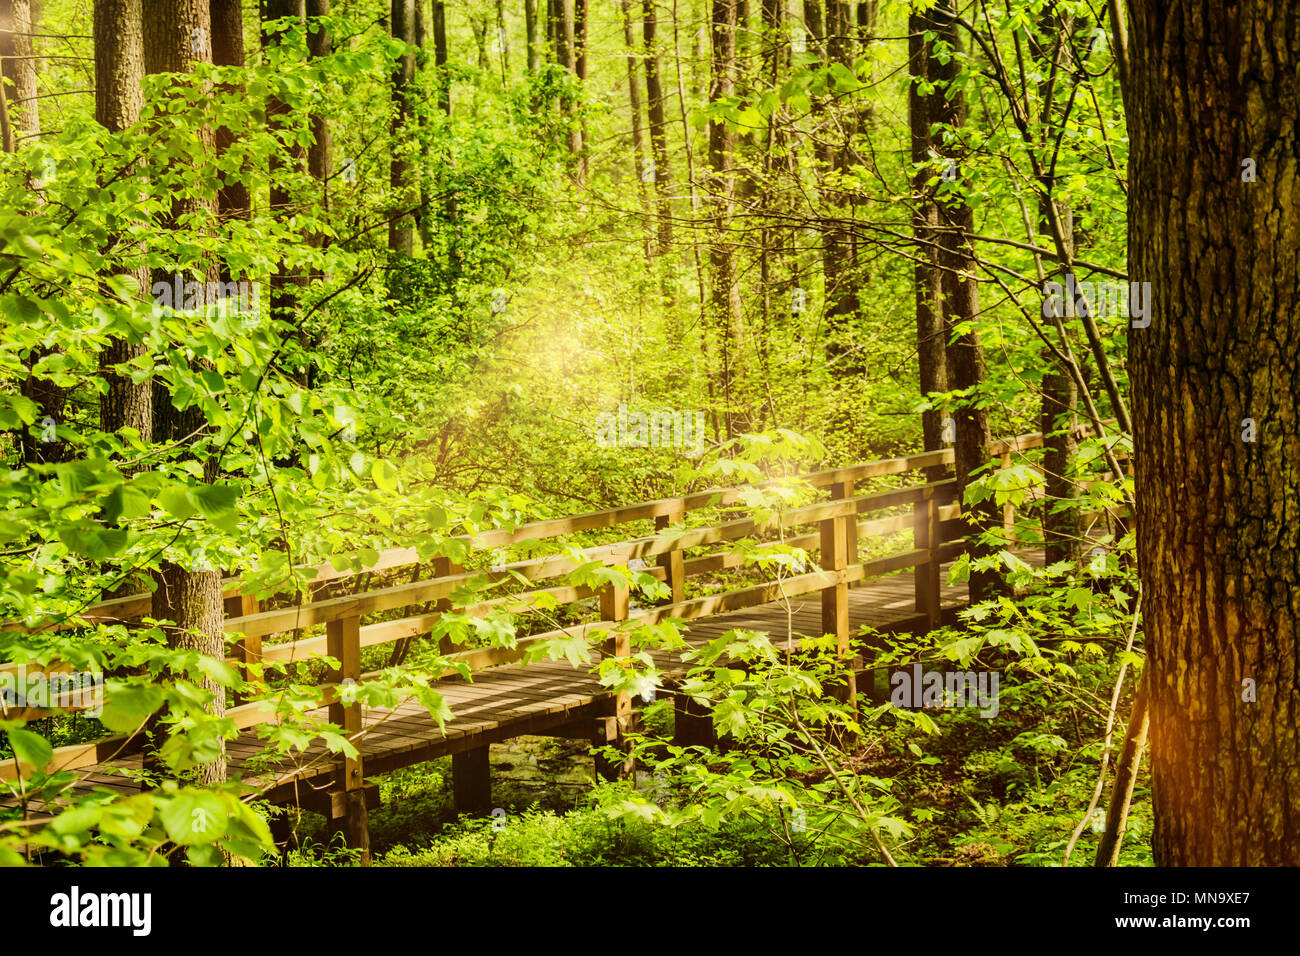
1157, 899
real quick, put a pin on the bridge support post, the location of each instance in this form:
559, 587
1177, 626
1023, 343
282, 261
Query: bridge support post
835, 598
612, 726
471, 780
672, 562
343, 641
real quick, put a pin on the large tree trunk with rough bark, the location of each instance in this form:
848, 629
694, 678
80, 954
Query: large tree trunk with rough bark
177, 35
1211, 86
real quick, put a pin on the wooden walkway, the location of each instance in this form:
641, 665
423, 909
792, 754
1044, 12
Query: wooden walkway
513, 700
915, 531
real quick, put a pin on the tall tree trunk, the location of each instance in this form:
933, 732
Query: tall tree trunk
724, 298
16, 28
177, 35
1062, 527
634, 108
530, 33
965, 355
119, 69
450, 206
931, 352
320, 154
839, 253
17, 56
655, 113
503, 40
320, 159
401, 223
580, 27
233, 200
1212, 85
579, 39
566, 56
287, 282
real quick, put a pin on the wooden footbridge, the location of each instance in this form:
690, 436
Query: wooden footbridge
862, 537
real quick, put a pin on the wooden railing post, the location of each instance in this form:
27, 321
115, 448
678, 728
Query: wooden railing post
444, 567
249, 649
614, 724
343, 641
673, 562
835, 597
926, 537
840, 491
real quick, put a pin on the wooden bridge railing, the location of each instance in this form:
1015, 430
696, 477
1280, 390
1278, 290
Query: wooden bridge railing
838, 536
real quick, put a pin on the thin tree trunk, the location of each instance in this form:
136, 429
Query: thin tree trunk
401, 223
530, 32
18, 65
1126, 773
965, 355
658, 127
450, 206
839, 255
1062, 527
638, 138
119, 69
931, 352
286, 283
233, 200
724, 298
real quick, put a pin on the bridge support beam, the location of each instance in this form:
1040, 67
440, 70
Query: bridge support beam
471, 780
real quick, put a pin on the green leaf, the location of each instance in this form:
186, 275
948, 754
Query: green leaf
193, 817
176, 502
385, 476
128, 705
216, 501
31, 748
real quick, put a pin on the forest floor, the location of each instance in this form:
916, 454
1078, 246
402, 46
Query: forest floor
983, 793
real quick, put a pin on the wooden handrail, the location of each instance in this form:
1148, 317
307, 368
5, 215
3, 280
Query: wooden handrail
135, 605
